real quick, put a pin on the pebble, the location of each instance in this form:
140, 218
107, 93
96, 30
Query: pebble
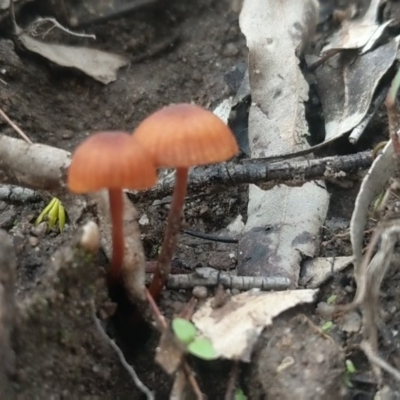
200, 292
90, 239
33, 241
230, 50
39, 230
144, 220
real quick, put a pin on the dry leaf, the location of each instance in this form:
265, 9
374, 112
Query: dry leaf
317, 271
282, 222
372, 185
234, 328
99, 65
358, 32
346, 85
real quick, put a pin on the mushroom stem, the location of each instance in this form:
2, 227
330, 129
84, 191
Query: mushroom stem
116, 211
171, 233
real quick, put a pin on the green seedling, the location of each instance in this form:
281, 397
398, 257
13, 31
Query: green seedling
350, 370
332, 299
187, 334
52, 212
239, 395
184, 330
327, 326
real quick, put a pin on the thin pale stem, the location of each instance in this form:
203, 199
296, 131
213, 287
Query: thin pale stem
116, 211
171, 234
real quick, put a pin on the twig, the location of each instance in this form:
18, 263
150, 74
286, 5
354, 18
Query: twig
44, 167
139, 384
19, 195
374, 358
265, 175
32, 29
210, 277
392, 112
162, 325
207, 236
14, 126
230, 390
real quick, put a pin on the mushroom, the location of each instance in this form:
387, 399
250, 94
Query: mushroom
181, 136
111, 160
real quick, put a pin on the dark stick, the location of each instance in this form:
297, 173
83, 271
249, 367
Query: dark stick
265, 175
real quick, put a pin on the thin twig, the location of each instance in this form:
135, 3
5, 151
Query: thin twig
139, 384
264, 174
374, 358
230, 389
162, 324
32, 29
14, 126
392, 112
206, 276
211, 237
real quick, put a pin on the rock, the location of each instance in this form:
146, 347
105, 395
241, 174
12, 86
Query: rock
294, 361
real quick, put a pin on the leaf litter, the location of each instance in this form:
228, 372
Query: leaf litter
100, 65
233, 329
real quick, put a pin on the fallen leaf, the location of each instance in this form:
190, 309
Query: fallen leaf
346, 85
233, 329
358, 32
100, 65
283, 222
373, 184
317, 271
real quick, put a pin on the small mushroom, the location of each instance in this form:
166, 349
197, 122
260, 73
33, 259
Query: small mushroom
181, 136
111, 160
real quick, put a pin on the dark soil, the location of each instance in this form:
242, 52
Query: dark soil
180, 51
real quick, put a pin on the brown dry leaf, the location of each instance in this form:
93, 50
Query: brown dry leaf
317, 271
346, 85
282, 222
234, 328
359, 32
100, 65
372, 185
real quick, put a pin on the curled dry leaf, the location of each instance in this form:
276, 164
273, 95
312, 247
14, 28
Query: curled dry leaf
100, 65
282, 222
233, 329
373, 184
318, 270
358, 32
346, 85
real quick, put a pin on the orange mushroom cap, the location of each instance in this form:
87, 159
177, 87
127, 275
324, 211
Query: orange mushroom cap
184, 135
110, 160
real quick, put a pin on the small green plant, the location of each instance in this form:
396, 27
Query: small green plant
350, 370
53, 211
327, 326
187, 334
332, 299
239, 395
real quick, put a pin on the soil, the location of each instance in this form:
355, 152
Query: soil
180, 52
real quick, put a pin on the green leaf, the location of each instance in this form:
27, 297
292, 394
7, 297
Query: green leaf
184, 330
45, 212
202, 348
239, 395
327, 326
331, 299
350, 368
